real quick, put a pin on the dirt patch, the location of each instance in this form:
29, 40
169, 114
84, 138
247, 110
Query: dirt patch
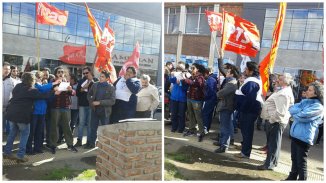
42, 172
192, 163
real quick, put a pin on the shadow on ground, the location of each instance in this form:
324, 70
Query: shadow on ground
192, 163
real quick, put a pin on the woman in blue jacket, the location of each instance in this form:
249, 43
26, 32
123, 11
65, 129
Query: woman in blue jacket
307, 116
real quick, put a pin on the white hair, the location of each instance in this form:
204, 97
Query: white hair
288, 79
145, 77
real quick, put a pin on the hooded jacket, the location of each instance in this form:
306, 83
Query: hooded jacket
307, 116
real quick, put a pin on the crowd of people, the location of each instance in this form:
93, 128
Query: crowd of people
196, 94
46, 109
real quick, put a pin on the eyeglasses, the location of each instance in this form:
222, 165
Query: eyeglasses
60, 72
85, 73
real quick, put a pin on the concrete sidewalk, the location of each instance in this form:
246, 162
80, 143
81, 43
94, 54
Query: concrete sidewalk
315, 158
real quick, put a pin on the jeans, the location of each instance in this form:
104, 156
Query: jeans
178, 115
60, 117
274, 144
247, 123
5, 123
74, 118
24, 133
299, 155
235, 119
226, 127
207, 113
47, 126
194, 109
95, 121
84, 119
36, 133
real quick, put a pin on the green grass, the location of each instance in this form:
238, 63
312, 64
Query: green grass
178, 157
171, 172
65, 173
87, 175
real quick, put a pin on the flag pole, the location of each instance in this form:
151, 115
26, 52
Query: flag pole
38, 47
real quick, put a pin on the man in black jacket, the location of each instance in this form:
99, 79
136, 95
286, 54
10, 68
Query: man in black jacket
83, 87
23, 97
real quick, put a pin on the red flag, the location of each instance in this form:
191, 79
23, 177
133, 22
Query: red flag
215, 20
267, 65
96, 29
105, 49
133, 60
264, 73
74, 55
239, 35
47, 14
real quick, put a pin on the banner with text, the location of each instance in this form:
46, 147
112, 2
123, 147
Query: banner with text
239, 35
47, 14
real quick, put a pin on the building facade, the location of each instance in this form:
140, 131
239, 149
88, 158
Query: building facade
187, 35
20, 33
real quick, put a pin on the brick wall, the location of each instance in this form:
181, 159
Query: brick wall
129, 151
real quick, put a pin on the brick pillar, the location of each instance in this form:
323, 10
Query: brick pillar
129, 151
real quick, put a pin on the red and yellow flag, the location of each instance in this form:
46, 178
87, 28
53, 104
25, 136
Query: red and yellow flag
96, 29
267, 65
47, 14
239, 35
104, 42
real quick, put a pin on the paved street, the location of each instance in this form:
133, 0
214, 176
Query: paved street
315, 159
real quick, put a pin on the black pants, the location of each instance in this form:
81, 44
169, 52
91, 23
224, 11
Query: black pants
320, 133
299, 155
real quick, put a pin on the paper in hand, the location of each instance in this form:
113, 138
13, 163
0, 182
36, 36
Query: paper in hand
63, 86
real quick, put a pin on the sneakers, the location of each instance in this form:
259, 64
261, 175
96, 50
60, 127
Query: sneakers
188, 133
200, 137
240, 155
53, 150
78, 143
221, 150
9, 156
72, 148
21, 160
205, 131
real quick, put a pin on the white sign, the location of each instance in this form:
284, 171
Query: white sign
63, 86
149, 62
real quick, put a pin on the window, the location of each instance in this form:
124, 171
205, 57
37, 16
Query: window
19, 18
196, 21
302, 29
11, 13
173, 19
27, 15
